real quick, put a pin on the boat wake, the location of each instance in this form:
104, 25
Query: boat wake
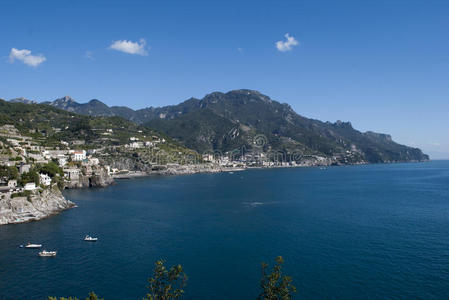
254, 204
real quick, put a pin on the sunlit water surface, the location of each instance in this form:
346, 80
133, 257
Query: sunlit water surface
374, 231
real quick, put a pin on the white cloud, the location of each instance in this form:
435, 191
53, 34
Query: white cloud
287, 45
130, 47
89, 55
25, 56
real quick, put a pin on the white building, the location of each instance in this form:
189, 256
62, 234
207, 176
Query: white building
72, 174
46, 154
209, 157
30, 186
62, 160
79, 155
44, 179
135, 145
13, 142
24, 168
12, 184
93, 161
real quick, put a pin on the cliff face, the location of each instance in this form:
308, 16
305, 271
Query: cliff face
100, 178
94, 176
48, 202
36, 207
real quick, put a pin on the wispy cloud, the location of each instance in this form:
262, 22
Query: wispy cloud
240, 50
26, 57
288, 44
130, 47
89, 55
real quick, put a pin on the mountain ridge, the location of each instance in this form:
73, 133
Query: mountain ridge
228, 121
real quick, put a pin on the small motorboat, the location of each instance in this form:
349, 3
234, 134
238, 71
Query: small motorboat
33, 246
45, 253
88, 238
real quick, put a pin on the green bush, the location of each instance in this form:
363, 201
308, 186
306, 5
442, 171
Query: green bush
91, 296
31, 176
168, 284
276, 286
22, 194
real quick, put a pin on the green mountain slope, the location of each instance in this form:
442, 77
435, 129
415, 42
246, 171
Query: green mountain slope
51, 125
246, 114
244, 120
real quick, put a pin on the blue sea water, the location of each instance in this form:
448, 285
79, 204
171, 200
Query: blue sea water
355, 232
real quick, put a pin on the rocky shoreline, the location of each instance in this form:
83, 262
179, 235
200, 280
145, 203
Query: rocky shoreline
37, 206
43, 203
179, 170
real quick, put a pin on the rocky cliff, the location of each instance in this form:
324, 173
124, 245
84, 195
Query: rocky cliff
92, 176
37, 206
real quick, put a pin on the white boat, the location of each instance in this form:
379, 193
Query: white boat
45, 253
88, 238
33, 246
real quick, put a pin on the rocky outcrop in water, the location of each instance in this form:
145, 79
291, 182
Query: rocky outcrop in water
39, 205
100, 178
90, 176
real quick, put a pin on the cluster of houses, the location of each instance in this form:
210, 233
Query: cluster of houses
23, 152
136, 143
261, 159
10, 186
26, 151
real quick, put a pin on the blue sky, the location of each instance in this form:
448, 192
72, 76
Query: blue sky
383, 65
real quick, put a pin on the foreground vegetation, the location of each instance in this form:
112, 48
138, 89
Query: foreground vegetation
169, 283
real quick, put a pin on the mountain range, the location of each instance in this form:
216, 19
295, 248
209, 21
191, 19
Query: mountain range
249, 120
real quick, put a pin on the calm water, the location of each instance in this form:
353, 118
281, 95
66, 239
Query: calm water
378, 231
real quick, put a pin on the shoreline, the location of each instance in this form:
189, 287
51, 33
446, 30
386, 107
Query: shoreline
38, 206
60, 203
215, 169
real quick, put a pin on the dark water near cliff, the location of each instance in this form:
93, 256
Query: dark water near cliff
378, 231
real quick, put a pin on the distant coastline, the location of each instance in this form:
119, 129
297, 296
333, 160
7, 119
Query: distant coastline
52, 202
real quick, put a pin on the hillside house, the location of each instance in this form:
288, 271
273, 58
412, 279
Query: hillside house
30, 186
12, 184
79, 155
62, 160
44, 179
24, 168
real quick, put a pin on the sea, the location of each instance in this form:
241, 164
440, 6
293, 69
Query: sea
349, 232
